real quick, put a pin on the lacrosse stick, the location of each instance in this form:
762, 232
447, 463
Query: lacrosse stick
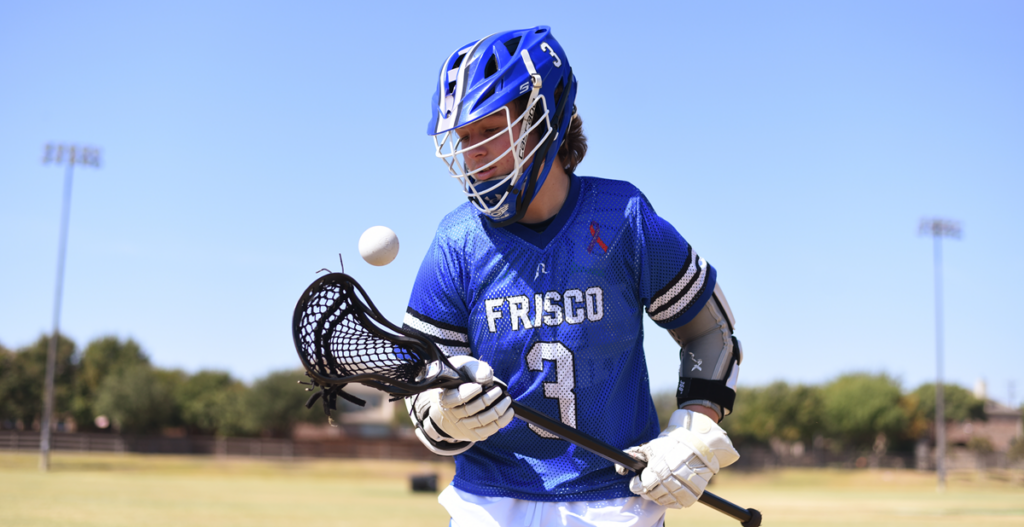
342, 338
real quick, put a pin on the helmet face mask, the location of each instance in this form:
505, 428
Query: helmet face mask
484, 79
490, 195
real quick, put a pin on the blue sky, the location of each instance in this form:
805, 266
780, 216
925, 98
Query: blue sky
796, 145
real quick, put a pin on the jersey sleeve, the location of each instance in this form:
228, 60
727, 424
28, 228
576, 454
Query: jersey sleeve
437, 307
675, 282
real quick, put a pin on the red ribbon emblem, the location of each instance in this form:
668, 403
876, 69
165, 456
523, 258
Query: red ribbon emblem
595, 231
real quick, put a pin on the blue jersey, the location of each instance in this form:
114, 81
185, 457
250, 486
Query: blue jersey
558, 315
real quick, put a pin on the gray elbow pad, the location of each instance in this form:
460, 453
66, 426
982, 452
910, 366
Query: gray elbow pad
709, 357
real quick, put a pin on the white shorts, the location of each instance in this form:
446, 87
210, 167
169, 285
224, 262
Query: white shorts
470, 510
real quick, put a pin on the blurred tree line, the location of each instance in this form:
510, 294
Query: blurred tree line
859, 411
114, 378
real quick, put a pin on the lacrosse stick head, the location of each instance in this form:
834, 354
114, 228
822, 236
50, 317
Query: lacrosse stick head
342, 338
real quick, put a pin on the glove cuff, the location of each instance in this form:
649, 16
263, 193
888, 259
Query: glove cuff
442, 448
427, 432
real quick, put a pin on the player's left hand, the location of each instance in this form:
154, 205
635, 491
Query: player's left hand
681, 461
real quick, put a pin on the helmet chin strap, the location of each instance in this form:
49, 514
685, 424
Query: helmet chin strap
500, 187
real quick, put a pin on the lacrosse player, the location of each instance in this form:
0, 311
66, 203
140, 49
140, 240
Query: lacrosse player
536, 289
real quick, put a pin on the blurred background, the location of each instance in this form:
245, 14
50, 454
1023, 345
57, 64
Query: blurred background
243, 145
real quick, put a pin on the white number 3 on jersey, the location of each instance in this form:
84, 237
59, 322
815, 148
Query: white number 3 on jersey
565, 379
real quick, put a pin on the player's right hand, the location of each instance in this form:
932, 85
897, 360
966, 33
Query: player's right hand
475, 410
682, 460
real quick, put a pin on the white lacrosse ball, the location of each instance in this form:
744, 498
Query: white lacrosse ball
378, 245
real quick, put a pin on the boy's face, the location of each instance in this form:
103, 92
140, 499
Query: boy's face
486, 143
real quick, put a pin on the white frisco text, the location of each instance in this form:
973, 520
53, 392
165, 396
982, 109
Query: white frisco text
548, 309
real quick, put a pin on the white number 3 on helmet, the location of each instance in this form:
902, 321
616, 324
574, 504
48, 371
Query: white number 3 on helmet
544, 46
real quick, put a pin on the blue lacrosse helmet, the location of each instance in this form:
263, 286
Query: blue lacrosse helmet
481, 79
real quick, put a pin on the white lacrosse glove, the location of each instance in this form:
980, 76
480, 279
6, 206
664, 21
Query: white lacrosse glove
681, 460
447, 419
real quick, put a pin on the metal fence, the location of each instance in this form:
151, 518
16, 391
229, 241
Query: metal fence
15, 440
754, 457
399, 447
348, 447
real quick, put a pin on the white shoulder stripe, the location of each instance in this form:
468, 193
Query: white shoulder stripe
434, 331
684, 303
679, 285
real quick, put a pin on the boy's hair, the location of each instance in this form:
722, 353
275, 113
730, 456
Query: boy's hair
574, 146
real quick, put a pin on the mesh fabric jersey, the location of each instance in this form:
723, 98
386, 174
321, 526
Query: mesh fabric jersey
558, 315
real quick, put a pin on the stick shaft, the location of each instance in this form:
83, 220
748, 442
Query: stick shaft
615, 455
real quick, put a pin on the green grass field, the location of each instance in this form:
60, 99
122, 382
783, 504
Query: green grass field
194, 491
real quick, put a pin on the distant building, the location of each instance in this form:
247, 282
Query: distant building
373, 420
978, 443
378, 410
1001, 426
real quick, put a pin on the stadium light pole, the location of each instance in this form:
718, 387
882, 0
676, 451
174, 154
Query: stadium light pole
70, 155
939, 228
